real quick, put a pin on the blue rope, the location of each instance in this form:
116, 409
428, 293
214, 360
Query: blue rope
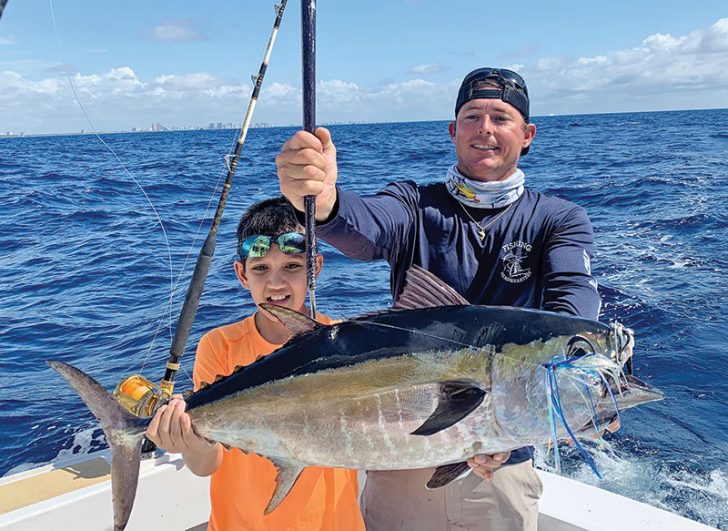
558, 409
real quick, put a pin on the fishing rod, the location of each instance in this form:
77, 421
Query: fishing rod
308, 53
136, 393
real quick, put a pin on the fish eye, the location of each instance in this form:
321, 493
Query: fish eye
579, 346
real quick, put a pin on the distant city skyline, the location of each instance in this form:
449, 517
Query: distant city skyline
378, 61
154, 127
157, 127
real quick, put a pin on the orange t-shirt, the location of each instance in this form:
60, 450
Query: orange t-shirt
321, 499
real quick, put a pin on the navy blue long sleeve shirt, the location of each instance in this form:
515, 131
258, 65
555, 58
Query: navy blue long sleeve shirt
536, 255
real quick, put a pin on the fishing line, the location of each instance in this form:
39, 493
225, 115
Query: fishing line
177, 282
421, 333
174, 283
113, 153
176, 289
197, 282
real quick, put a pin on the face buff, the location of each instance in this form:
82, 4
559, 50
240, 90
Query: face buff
478, 194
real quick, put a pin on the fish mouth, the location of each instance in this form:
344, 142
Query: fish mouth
637, 391
627, 393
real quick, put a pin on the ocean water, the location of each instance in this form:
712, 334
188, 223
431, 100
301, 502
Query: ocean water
86, 272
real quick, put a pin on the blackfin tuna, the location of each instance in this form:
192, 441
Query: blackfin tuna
429, 383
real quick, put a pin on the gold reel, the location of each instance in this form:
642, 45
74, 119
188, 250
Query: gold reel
140, 396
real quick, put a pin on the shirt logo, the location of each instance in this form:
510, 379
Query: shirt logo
516, 262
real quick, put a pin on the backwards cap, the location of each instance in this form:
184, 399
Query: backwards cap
513, 88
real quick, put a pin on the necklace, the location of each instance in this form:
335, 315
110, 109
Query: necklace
483, 228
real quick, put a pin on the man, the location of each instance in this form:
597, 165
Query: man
488, 236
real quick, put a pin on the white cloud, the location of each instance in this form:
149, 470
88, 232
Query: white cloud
177, 31
425, 69
337, 91
117, 99
186, 83
4, 41
660, 72
15, 85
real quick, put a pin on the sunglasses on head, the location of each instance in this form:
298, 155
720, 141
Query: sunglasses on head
498, 73
258, 245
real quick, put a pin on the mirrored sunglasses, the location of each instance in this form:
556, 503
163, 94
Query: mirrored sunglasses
258, 245
498, 73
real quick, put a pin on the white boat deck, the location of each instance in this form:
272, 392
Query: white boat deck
77, 495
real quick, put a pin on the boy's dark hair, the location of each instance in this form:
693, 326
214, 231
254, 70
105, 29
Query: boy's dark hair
270, 217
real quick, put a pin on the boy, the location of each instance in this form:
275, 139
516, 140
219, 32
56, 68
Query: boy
272, 265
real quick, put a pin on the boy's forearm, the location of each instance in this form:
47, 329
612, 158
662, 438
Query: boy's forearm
204, 463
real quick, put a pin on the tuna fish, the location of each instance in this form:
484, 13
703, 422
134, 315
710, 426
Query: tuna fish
429, 383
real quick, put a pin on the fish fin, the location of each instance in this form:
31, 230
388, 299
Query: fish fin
457, 400
296, 322
446, 473
288, 474
124, 434
424, 290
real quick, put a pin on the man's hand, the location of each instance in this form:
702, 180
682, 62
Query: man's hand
307, 166
171, 429
484, 465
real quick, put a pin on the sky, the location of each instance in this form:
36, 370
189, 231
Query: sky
185, 64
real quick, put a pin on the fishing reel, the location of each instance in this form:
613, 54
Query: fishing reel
140, 396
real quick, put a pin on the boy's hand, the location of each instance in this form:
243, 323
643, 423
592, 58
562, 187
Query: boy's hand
171, 429
307, 166
484, 465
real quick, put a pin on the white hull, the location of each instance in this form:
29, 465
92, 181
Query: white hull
77, 495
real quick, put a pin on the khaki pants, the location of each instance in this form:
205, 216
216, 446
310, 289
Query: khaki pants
399, 501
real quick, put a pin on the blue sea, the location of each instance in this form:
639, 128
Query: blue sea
86, 271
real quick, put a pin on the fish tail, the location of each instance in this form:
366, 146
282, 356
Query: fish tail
124, 434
